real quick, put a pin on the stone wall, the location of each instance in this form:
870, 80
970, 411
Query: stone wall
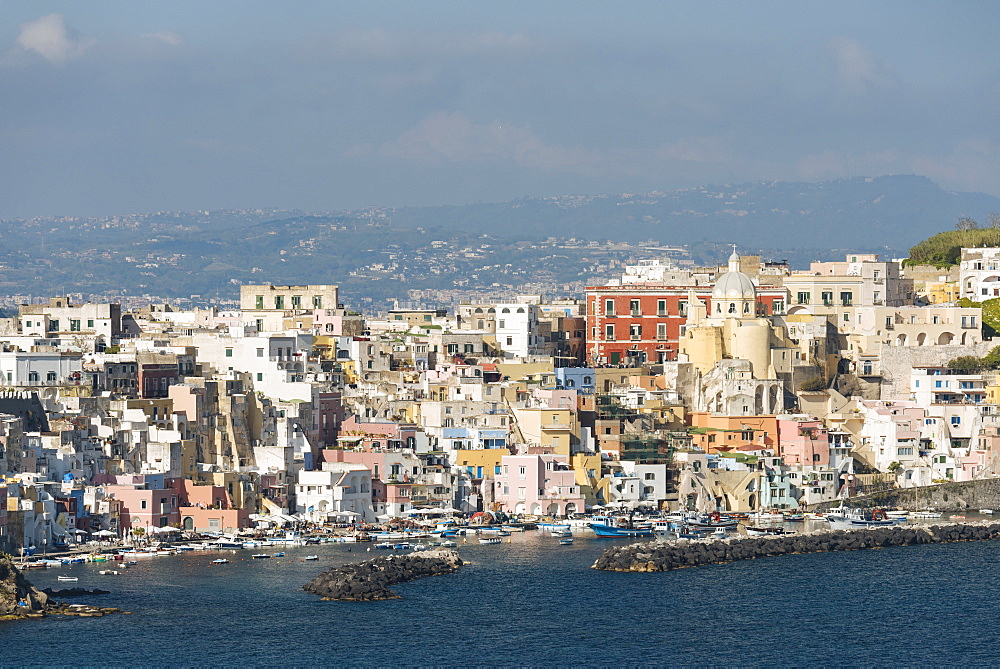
951, 497
897, 361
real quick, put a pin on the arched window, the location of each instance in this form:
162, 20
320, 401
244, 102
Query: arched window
746, 307
732, 307
520, 310
505, 310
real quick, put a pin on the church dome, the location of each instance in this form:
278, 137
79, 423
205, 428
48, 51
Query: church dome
734, 284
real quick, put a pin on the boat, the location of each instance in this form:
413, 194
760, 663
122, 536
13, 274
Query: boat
609, 526
711, 521
957, 517
448, 544
858, 518
279, 555
490, 540
987, 512
311, 557
226, 544
896, 514
566, 541
384, 545
753, 531
68, 579
220, 561
252, 544
794, 517
260, 556
925, 514
553, 527
108, 572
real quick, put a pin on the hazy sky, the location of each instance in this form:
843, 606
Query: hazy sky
115, 107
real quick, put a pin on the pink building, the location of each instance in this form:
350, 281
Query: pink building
542, 484
144, 507
803, 442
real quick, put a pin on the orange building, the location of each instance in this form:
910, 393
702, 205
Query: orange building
712, 432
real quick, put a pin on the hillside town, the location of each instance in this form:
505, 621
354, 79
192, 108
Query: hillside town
738, 388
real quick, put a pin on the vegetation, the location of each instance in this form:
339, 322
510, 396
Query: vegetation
814, 384
945, 248
970, 364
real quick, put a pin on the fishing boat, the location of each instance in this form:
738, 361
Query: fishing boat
67, 579
553, 527
711, 521
925, 514
279, 555
448, 544
260, 556
384, 545
566, 541
611, 526
108, 572
220, 561
311, 558
859, 518
987, 512
490, 540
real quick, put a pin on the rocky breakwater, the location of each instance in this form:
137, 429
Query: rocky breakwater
370, 580
20, 599
663, 556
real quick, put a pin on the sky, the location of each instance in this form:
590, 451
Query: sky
138, 106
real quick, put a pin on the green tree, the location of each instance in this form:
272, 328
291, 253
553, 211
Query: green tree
966, 363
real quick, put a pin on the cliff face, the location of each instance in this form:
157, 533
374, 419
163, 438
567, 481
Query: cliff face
17, 596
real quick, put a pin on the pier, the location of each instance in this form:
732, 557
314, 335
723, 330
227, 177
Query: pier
663, 556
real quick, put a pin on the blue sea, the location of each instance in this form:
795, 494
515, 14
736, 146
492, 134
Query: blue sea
534, 602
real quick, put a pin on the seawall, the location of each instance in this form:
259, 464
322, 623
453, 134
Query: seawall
661, 556
964, 496
370, 580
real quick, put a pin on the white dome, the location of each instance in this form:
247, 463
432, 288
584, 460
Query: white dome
734, 285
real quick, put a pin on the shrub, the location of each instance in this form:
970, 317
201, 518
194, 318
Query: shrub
814, 384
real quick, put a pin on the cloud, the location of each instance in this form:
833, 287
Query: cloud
380, 44
858, 71
50, 38
165, 36
453, 138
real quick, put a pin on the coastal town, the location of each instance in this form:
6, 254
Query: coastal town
740, 388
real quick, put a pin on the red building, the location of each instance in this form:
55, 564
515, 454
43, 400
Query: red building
643, 322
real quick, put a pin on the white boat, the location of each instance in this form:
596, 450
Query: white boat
925, 514
220, 561
987, 512
448, 544
108, 572
566, 541
68, 579
311, 558
490, 540
852, 519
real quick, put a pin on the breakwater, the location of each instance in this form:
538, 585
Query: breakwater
662, 556
370, 580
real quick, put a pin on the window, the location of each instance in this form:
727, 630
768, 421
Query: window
827, 298
90, 323
51, 376
521, 472
279, 301
502, 324
661, 331
296, 301
260, 376
74, 325
143, 504
904, 450
32, 377
846, 298
633, 307
779, 306
510, 341
609, 332
53, 326
259, 302
661, 307
956, 420
803, 298
229, 352
635, 331
260, 325
609, 307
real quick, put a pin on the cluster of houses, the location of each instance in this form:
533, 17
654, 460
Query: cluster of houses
735, 388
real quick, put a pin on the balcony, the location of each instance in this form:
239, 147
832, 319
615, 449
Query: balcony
560, 427
635, 337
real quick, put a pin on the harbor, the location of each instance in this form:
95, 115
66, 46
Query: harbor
527, 599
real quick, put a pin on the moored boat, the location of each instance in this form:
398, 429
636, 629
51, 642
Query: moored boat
68, 579
490, 540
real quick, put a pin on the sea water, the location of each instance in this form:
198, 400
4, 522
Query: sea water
533, 602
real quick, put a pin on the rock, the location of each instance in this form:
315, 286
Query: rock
369, 580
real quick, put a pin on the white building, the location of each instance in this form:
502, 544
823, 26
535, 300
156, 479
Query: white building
340, 490
979, 273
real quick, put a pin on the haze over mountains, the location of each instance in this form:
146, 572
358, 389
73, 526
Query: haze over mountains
378, 254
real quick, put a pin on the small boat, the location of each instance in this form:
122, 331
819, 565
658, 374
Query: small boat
987, 512
279, 555
448, 544
566, 541
753, 531
260, 556
384, 545
403, 546
490, 540
957, 517
220, 561
925, 514
553, 527
108, 572
311, 557
68, 579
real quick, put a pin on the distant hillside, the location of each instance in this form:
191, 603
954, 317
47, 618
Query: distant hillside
555, 244
945, 248
893, 211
